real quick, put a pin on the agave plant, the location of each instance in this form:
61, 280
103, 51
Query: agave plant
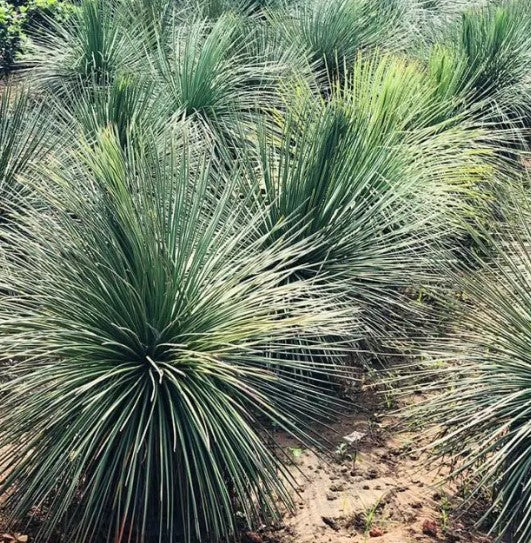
89, 47
144, 320
369, 174
333, 33
488, 51
207, 76
480, 398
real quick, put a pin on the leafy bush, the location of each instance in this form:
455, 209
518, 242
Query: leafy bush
39, 13
147, 347
10, 34
17, 18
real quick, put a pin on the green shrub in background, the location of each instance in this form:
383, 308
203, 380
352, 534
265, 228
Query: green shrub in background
38, 12
10, 34
18, 18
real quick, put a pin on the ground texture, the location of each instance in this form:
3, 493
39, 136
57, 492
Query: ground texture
382, 489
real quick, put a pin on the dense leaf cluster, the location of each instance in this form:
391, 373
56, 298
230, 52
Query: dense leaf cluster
209, 207
18, 18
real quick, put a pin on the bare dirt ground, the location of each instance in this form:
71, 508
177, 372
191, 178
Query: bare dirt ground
381, 490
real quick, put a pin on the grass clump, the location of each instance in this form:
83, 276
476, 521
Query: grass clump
480, 395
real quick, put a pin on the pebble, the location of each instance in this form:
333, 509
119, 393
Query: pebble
429, 527
376, 532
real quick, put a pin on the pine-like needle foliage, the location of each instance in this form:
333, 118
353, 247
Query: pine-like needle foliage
144, 326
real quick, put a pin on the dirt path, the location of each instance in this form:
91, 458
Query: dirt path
376, 491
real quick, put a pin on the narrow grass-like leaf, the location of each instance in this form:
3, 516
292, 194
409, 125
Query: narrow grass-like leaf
145, 320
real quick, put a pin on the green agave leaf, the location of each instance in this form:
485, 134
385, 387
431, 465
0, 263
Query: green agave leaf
146, 319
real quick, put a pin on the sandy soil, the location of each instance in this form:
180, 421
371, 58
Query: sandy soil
381, 490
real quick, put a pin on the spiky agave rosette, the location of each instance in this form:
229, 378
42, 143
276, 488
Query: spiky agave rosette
485, 58
216, 76
478, 382
375, 175
332, 34
144, 321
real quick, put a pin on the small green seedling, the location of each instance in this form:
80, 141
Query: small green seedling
295, 452
446, 508
342, 452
